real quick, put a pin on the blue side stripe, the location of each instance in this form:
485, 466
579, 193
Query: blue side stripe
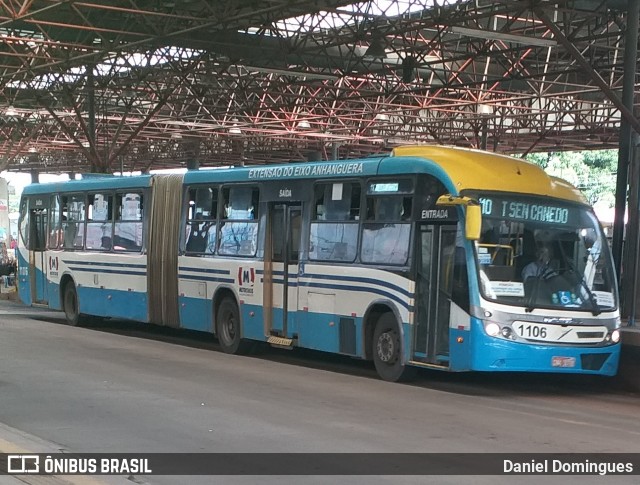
206, 278
293, 284
111, 271
115, 265
275, 273
204, 270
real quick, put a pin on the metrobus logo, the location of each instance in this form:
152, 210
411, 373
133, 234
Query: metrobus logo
246, 276
53, 263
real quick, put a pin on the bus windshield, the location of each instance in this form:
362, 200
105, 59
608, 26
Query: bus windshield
543, 253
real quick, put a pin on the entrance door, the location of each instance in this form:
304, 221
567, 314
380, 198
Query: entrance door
435, 252
281, 269
38, 264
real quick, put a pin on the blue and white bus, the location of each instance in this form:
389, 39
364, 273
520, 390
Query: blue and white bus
434, 257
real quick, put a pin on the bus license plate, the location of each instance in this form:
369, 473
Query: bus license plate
563, 361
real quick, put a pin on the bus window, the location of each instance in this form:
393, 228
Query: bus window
73, 213
55, 231
200, 229
24, 222
334, 231
239, 227
127, 234
38, 219
99, 222
387, 232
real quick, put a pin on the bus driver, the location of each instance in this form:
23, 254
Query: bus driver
539, 268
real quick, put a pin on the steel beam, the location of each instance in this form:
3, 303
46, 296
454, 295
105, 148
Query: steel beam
625, 161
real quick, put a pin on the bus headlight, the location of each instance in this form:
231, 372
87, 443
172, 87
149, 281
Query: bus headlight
615, 336
492, 329
506, 332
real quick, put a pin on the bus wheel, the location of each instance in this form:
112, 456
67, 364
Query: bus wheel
387, 350
70, 305
228, 328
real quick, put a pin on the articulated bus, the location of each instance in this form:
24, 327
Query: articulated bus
436, 257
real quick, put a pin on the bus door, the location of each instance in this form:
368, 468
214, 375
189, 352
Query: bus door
435, 256
38, 264
281, 269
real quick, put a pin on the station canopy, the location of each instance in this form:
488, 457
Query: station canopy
127, 85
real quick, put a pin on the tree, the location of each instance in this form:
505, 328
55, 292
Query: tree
593, 172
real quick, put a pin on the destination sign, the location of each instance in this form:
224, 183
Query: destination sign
318, 170
528, 209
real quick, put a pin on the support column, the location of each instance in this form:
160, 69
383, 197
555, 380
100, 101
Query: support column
334, 150
484, 133
91, 113
631, 255
624, 151
192, 152
314, 156
35, 176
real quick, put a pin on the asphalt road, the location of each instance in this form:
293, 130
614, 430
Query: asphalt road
119, 387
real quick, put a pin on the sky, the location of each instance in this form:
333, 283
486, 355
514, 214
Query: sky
20, 180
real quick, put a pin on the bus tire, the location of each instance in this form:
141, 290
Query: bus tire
228, 328
71, 305
387, 350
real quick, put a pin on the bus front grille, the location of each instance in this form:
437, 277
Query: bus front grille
593, 361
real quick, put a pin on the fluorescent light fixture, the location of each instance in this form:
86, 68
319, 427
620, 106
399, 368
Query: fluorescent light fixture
304, 125
235, 130
493, 35
11, 111
484, 109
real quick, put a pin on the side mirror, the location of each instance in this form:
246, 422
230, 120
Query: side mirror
589, 237
473, 219
473, 222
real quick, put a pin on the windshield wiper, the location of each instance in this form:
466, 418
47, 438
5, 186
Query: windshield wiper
532, 297
595, 308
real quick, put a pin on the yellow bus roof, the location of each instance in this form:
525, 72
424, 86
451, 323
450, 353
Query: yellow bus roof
479, 170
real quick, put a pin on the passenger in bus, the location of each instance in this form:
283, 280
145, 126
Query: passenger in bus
70, 231
199, 235
106, 243
124, 244
541, 267
389, 209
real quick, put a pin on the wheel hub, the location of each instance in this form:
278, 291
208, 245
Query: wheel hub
386, 348
230, 328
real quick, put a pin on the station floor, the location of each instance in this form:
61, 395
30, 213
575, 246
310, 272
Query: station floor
628, 377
